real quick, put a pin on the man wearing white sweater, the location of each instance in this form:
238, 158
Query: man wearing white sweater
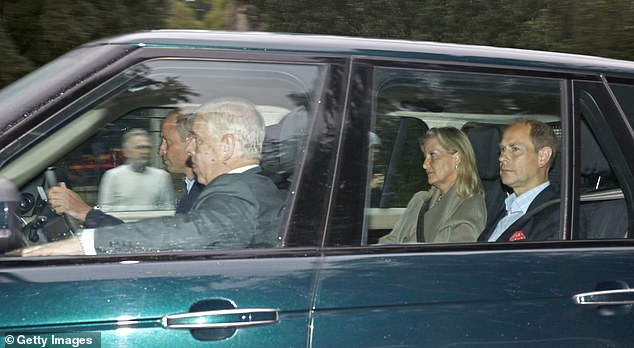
135, 185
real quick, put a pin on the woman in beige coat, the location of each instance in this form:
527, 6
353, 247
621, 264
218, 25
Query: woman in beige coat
453, 210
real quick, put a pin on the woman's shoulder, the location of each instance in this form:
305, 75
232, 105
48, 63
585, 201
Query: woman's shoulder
476, 200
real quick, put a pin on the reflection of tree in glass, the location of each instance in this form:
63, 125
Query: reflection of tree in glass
400, 162
155, 93
407, 90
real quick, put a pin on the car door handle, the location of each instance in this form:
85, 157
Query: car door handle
223, 318
605, 297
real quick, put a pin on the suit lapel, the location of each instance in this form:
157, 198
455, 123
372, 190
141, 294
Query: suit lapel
487, 233
546, 195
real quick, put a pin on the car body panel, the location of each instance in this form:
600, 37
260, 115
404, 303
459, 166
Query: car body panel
509, 298
126, 300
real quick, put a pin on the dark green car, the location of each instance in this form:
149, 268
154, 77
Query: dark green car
338, 112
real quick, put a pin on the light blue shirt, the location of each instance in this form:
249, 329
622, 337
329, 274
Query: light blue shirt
189, 183
516, 207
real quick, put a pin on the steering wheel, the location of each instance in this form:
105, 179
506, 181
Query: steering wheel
48, 226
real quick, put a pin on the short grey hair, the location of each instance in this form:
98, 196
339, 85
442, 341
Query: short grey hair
238, 117
131, 133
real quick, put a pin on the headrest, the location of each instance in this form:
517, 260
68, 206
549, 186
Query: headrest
485, 141
593, 162
282, 145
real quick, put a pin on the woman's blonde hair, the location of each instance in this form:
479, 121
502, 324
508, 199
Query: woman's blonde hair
454, 140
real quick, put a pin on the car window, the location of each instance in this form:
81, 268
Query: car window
89, 143
408, 103
624, 95
603, 212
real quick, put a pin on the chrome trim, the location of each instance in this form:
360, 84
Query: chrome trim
586, 297
602, 196
245, 311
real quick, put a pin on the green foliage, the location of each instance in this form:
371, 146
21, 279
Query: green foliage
200, 14
182, 16
35, 32
601, 28
12, 65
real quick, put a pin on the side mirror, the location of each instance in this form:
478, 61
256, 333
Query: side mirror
10, 230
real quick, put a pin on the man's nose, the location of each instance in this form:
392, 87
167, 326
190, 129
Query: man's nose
503, 156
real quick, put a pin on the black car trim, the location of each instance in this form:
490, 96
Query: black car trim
442, 66
618, 154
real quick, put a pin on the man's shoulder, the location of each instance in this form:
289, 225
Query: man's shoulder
239, 183
117, 170
547, 195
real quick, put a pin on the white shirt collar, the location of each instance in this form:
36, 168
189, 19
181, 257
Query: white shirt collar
189, 183
242, 169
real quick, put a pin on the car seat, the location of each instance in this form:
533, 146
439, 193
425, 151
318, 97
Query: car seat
598, 219
485, 140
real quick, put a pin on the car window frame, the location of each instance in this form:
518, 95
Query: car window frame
568, 179
613, 123
304, 222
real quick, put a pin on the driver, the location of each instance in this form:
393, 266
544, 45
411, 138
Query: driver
172, 151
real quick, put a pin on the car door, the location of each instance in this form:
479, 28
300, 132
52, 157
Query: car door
567, 293
179, 298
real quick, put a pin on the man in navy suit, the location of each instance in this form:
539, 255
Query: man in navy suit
176, 160
527, 152
172, 151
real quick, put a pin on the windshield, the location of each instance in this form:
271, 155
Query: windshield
25, 96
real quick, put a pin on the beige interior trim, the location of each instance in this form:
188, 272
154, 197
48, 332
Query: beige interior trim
37, 159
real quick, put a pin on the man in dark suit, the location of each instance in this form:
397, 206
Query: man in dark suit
527, 152
237, 208
172, 151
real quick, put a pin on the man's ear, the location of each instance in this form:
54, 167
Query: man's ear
543, 156
228, 146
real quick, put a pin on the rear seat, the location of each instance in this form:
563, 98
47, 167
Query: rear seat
600, 219
485, 140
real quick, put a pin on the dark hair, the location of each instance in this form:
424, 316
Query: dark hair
542, 135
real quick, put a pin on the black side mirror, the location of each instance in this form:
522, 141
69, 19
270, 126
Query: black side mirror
10, 230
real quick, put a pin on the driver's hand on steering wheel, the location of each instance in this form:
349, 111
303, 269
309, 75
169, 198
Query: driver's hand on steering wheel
64, 201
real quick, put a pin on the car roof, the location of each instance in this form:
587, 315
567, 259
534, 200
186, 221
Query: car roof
376, 48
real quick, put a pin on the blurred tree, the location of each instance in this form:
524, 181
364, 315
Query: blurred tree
200, 14
34, 32
595, 27
219, 16
10, 57
182, 16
